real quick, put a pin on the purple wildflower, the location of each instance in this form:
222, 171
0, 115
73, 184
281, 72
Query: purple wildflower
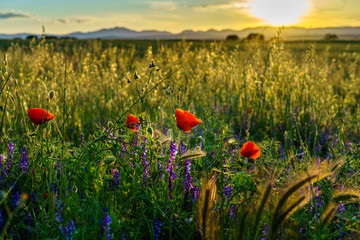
227, 192
11, 150
106, 225
282, 151
16, 199
11, 147
24, 161
160, 167
68, 230
145, 163
116, 176
157, 229
2, 170
265, 231
123, 149
341, 207
171, 164
187, 181
182, 147
232, 210
59, 218
195, 194
1, 218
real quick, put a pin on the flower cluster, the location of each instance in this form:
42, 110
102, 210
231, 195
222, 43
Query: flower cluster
106, 225
24, 161
171, 165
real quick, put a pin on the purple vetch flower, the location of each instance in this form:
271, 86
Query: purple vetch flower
265, 231
232, 211
341, 207
116, 176
16, 198
106, 225
171, 165
317, 201
282, 151
145, 163
68, 230
29, 220
157, 229
165, 131
195, 194
2, 170
59, 218
11, 156
34, 197
123, 149
1, 218
182, 147
160, 169
11, 147
227, 192
187, 180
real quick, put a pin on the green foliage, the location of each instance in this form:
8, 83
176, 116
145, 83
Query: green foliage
298, 101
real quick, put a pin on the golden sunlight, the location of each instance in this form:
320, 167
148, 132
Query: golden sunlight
279, 12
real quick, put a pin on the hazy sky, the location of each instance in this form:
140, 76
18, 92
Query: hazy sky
65, 16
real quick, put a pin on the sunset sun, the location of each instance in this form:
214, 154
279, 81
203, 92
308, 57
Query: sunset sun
279, 12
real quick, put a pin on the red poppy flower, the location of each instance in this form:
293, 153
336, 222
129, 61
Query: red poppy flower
185, 120
132, 122
250, 150
39, 116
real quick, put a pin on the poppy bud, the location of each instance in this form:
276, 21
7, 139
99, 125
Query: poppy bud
51, 94
109, 159
152, 64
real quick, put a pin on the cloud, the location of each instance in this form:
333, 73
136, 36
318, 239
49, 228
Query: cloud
72, 21
233, 5
11, 14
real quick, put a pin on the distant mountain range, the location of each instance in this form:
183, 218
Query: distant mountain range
288, 33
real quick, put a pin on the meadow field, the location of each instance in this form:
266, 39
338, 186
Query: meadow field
86, 175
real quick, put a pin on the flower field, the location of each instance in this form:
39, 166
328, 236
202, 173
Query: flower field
179, 140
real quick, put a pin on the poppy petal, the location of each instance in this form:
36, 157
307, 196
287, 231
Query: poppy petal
250, 150
39, 116
182, 121
192, 119
132, 122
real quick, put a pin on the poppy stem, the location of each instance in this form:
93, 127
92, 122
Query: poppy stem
189, 141
145, 94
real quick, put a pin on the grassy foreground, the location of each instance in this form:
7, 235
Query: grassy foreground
85, 175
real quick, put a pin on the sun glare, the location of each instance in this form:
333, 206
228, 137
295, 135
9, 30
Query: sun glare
279, 12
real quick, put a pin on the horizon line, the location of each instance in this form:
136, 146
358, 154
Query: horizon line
209, 29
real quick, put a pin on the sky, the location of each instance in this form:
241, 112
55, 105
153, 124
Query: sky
66, 16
